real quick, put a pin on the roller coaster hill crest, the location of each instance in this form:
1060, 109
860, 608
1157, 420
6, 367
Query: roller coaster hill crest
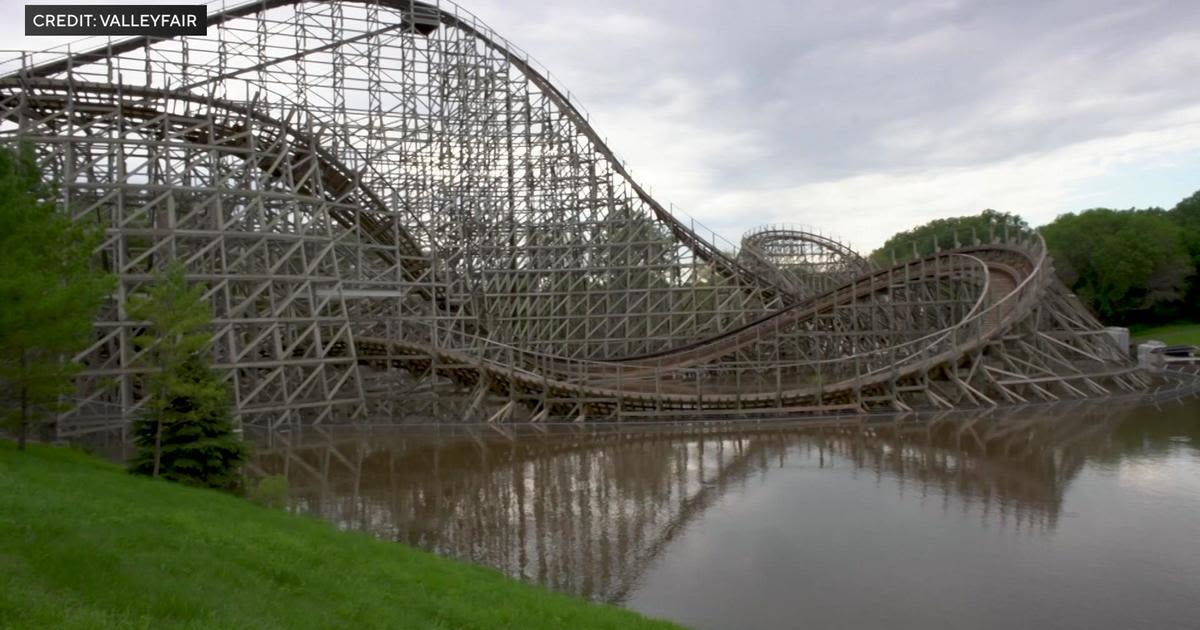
398, 217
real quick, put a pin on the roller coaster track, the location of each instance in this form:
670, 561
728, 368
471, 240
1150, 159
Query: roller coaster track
800, 261
409, 190
636, 383
422, 14
137, 104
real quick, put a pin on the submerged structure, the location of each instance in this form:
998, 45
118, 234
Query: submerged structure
588, 509
398, 216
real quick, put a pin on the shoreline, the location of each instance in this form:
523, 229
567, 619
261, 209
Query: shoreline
86, 544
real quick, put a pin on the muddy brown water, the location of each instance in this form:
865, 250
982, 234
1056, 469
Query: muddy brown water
1084, 516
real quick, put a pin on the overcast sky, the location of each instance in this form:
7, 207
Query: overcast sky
863, 118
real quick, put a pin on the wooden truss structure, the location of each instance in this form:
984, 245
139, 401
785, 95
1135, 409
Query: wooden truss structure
398, 216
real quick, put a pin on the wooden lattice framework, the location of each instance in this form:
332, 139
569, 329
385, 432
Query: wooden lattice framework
398, 216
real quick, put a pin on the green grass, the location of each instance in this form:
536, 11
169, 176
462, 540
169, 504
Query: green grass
1173, 335
85, 545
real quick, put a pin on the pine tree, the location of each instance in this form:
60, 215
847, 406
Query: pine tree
186, 433
50, 291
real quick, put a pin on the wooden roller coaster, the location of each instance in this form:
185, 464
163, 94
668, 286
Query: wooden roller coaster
399, 217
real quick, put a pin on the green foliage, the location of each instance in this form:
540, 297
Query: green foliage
186, 434
270, 491
1186, 214
50, 290
1127, 265
85, 546
1131, 267
1172, 334
945, 234
191, 427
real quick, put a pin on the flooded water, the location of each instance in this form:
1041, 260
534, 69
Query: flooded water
1075, 517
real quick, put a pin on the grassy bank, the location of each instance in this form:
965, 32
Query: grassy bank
1172, 335
85, 545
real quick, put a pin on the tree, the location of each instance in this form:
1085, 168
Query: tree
50, 291
1186, 214
1130, 266
186, 433
945, 233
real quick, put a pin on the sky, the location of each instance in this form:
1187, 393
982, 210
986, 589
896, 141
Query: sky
865, 118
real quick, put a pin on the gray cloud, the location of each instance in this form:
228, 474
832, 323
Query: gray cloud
831, 91
777, 95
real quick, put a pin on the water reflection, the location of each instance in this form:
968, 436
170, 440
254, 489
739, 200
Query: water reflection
586, 510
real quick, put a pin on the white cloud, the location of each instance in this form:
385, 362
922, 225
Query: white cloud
870, 207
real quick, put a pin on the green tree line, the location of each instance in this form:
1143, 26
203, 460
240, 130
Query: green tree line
949, 233
1130, 267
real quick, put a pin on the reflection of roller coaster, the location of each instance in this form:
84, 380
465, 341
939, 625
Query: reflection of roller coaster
587, 510
399, 216
582, 514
